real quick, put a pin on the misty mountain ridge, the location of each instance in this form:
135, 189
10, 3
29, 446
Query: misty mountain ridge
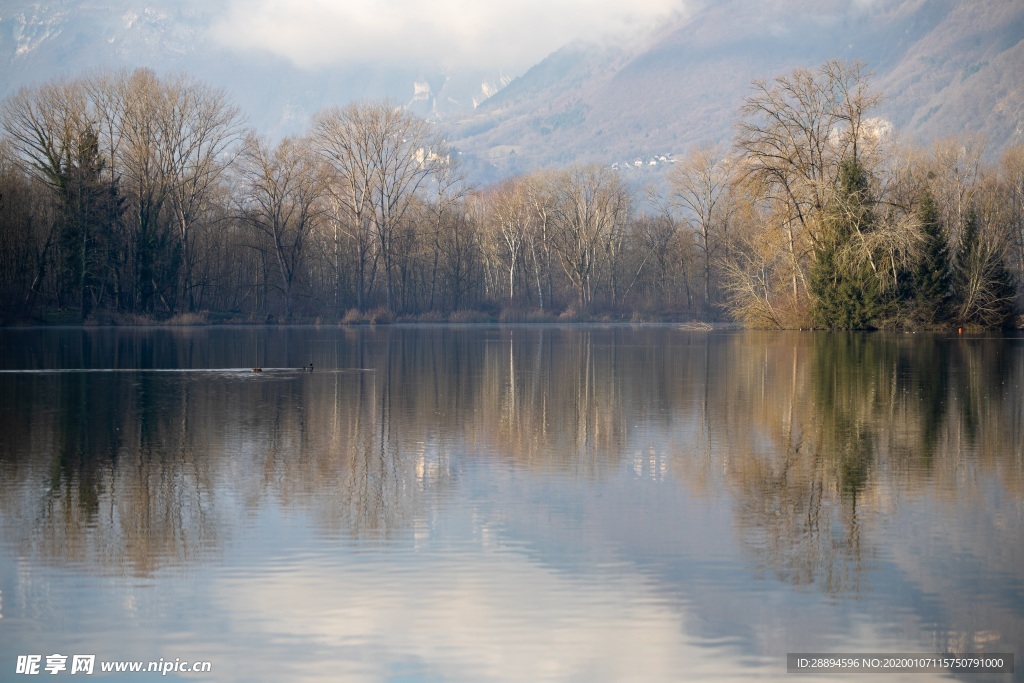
944, 67
43, 40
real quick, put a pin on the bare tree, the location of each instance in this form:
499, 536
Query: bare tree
654, 235
382, 157
199, 128
45, 127
145, 161
1012, 174
700, 185
447, 190
344, 142
985, 294
511, 220
281, 200
591, 204
460, 263
956, 172
757, 275
541, 197
794, 133
54, 131
26, 225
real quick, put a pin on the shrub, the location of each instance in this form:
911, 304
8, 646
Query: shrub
352, 317
379, 316
470, 316
188, 319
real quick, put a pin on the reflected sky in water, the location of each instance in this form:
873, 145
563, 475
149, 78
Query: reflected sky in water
508, 503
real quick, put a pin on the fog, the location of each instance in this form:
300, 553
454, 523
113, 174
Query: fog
449, 33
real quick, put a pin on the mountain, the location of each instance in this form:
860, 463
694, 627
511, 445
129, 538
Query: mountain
43, 40
944, 66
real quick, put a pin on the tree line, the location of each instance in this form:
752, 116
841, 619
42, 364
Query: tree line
129, 195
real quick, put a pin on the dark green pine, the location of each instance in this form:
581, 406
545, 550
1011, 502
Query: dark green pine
931, 276
847, 294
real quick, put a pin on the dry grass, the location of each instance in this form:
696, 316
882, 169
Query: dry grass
469, 316
379, 316
527, 316
352, 317
188, 319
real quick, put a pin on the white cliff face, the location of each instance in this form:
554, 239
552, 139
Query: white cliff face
453, 96
31, 29
421, 91
150, 30
489, 89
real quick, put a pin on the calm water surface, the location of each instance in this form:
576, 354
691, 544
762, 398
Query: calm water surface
507, 503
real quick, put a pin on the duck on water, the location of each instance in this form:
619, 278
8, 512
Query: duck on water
306, 368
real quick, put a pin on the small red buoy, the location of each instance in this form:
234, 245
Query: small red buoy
959, 330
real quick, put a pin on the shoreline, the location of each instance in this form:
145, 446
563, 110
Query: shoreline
685, 325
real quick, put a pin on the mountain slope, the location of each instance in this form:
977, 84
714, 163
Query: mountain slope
944, 67
963, 76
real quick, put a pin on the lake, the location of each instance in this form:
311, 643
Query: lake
506, 503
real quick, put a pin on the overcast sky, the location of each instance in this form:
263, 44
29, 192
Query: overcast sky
505, 34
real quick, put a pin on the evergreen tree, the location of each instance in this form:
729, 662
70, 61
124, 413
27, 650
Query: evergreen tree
90, 207
847, 293
930, 277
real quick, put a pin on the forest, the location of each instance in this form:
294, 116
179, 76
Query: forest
129, 198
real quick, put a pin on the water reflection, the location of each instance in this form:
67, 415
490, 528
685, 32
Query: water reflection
632, 490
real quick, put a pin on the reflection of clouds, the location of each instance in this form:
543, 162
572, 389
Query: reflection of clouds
486, 615
974, 549
493, 616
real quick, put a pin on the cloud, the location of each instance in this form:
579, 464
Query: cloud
508, 35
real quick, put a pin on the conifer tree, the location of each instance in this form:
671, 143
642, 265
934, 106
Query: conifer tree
847, 294
90, 207
931, 276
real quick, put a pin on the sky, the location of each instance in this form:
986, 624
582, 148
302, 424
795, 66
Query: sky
511, 35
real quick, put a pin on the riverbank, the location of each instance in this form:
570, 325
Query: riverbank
378, 316
382, 316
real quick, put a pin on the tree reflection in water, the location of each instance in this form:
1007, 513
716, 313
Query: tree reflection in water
817, 441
